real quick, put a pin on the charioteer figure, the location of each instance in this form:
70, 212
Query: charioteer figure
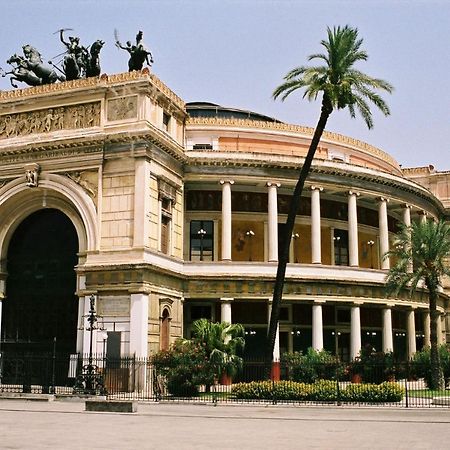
138, 53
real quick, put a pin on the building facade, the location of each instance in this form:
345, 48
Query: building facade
167, 212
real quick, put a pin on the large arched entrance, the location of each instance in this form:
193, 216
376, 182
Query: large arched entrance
40, 309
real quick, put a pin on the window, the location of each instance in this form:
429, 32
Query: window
166, 219
340, 241
202, 240
166, 121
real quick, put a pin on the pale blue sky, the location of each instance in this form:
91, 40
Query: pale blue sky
235, 52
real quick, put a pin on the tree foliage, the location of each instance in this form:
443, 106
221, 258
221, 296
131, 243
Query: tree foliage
341, 86
421, 253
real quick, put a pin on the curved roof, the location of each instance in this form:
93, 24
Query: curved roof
207, 109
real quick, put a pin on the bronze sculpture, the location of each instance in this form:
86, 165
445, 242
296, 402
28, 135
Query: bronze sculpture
138, 53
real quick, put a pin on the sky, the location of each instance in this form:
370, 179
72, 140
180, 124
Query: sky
235, 52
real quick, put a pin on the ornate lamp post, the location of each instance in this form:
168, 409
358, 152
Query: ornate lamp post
249, 234
90, 381
295, 237
201, 233
337, 243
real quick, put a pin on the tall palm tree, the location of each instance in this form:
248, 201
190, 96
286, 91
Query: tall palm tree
341, 86
421, 252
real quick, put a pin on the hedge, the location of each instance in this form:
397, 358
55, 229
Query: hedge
321, 390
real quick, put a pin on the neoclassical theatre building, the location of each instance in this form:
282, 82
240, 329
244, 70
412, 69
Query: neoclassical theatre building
168, 212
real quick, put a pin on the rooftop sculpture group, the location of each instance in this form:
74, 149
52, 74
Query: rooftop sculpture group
77, 62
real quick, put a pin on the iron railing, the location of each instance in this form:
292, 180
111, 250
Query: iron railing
400, 384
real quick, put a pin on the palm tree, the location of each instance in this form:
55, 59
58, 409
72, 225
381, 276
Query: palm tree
341, 86
222, 342
421, 252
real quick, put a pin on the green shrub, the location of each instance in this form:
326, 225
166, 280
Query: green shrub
321, 390
421, 366
311, 366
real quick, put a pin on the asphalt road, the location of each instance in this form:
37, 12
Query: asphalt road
65, 425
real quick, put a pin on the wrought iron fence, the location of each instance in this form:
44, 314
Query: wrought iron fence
403, 385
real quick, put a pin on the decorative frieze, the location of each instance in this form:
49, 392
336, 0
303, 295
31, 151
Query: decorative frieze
86, 115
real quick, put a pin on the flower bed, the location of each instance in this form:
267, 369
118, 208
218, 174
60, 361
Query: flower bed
321, 390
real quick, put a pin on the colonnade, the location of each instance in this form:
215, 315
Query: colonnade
272, 221
355, 327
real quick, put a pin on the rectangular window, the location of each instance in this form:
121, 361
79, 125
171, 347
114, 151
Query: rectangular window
340, 241
166, 219
166, 121
202, 147
202, 240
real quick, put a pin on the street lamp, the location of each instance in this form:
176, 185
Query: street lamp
90, 380
249, 234
295, 236
201, 233
370, 244
336, 240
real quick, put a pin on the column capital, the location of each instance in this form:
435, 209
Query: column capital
355, 193
318, 188
222, 182
319, 302
406, 206
383, 199
226, 299
273, 184
357, 303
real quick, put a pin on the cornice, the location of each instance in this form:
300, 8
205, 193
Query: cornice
298, 129
320, 167
104, 81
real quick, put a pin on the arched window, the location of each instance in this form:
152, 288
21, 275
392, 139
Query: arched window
164, 334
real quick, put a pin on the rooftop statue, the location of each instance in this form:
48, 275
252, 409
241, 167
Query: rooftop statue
138, 53
30, 69
79, 62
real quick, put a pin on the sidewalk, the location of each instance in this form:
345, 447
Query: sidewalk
62, 424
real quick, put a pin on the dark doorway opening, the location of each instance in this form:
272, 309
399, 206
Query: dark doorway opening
40, 310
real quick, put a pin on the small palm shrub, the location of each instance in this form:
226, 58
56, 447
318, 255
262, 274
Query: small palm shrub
421, 365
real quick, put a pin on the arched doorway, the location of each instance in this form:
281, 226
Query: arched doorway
40, 309
165, 330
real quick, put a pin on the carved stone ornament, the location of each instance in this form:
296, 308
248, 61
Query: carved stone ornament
81, 180
52, 119
32, 174
122, 108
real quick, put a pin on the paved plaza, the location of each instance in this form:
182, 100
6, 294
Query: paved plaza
65, 425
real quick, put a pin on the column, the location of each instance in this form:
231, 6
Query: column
353, 229
355, 332
226, 219
384, 231
407, 215
423, 216
139, 325
273, 221
225, 309
81, 325
439, 329
316, 248
317, 326
275, 373
388, 345
411, 330
407, 222
426, 329
141, 203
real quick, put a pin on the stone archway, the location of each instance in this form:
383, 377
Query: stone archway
40, 303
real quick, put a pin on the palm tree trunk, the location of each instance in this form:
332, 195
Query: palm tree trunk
290, 222
437, 380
